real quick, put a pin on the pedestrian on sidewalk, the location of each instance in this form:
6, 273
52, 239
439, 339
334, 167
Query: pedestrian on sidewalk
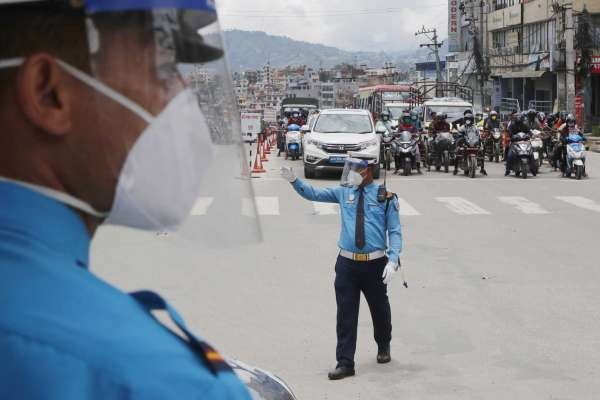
370, 244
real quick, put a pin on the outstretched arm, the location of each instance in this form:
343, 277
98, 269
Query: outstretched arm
309, 192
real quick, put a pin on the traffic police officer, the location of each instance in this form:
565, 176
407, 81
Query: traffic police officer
370, 243
99, 123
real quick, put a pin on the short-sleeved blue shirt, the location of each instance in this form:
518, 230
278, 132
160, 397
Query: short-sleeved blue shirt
65, 334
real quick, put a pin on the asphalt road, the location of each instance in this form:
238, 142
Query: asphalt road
502, 301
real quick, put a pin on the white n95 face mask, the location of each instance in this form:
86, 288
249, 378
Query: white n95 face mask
354, 178
160, 180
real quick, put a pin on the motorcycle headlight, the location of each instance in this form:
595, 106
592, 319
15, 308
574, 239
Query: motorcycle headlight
368, 144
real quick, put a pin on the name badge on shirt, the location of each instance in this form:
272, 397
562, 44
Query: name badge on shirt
350, 198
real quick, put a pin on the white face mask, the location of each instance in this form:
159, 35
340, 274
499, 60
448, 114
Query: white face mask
354, 178
160, 180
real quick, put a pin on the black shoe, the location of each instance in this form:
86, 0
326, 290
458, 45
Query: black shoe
340, 372
483, 172
455, 171
383, 355
507, 173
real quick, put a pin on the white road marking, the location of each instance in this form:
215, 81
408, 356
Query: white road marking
462, 206
581, 202
406, 209
202, 205
524, 205
326, 208
267, 205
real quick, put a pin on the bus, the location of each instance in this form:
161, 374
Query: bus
379, 98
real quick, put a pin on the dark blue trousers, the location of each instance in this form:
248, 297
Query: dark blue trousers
352, 278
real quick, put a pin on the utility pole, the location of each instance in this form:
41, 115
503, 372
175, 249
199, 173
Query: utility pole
435, 46
569, 57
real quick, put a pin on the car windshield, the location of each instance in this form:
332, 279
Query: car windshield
396, 112
343, 123
453, 112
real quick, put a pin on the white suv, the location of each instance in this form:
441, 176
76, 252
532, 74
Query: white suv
334, 134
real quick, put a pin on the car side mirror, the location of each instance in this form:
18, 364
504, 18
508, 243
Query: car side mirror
305, 128
381, 131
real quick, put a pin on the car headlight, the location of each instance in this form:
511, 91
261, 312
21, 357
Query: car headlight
314, 142
368, 144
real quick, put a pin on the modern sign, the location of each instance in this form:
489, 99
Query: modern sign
453, 29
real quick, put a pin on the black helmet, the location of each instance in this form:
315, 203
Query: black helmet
531, 112
570, 119
468, 111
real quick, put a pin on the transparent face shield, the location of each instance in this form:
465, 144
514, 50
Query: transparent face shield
163, 124
351, 173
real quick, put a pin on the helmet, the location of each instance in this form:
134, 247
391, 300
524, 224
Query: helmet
406, 118
570, 120
386, 115
293, 128
494, 113
531, 112
468, 117
468, 111
541, 116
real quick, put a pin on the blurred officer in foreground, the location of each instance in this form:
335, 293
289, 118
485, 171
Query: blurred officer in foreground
370, 244
115, 112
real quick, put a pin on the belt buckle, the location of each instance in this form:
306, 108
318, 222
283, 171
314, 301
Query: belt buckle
361, 257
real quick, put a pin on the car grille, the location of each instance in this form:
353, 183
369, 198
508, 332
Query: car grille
340, 148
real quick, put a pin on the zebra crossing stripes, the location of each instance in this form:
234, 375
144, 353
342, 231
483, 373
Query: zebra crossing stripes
202, 205
580, 202
462, 206
523, 204
406, 209
267, 205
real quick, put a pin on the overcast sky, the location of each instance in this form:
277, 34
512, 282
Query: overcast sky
348, 24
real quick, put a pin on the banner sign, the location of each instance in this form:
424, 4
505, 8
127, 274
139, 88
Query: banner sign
453, 40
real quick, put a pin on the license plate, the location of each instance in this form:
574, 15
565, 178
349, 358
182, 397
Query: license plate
337, 160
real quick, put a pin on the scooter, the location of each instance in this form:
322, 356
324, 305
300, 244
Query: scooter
575, 160
405, 152
293, 140
537, 146
523, 161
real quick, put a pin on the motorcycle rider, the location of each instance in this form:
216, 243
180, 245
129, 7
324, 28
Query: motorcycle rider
439, 125
479, 121
385, 120
492, 122
572, 134
414, 116
457, 124
532, 120
460, 137
406, 124
517, 124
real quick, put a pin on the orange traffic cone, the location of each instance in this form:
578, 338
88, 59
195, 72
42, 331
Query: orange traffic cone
258, 167
261, 150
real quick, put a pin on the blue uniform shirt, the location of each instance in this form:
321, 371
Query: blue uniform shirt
66, 335
376, 220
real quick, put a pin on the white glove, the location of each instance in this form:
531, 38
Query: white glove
390, 269
288, 174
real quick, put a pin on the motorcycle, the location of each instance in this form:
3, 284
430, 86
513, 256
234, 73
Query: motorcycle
405, 152
469, 155
575, 160
293, 140
442, 151
386, 150
492, 144
537, 146
523, 161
